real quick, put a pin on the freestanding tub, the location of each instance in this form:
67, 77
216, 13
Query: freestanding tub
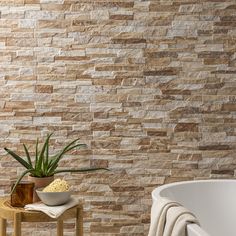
212, 201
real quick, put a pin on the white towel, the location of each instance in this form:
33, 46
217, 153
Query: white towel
169, 218
52, 211
159, 208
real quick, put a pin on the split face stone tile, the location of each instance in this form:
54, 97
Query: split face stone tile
149, 86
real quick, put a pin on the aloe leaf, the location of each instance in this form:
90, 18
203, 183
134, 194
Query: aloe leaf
36, 152
77, 145
41, 155
46, 158
51, 170
34, 173
56, 158
28, 156
68, 146
79, 170
18, 158
71, 143
20, 178
50, 163
63, 151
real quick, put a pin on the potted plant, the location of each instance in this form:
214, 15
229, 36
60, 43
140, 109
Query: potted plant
43, 166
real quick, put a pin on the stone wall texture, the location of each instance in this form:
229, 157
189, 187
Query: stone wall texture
149, 86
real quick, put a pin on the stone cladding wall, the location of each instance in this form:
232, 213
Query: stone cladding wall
149, 85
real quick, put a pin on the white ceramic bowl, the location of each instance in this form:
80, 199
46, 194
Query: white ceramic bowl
53, 198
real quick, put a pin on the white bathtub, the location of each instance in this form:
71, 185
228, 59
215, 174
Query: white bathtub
212, 201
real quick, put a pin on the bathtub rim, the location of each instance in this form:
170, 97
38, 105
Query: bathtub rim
158, 190
195, 229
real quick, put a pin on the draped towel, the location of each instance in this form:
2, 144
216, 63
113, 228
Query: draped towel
52, 211
169, 218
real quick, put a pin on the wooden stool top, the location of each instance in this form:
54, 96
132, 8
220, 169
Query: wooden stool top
7, 212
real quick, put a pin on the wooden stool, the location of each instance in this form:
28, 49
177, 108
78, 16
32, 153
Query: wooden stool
18, 215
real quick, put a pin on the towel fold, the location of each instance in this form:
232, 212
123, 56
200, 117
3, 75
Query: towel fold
52, 211
169, 218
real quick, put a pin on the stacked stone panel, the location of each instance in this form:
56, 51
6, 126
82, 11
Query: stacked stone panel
149, 86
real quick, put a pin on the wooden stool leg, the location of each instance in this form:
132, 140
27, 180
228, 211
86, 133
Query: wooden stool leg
3, 227
17, 224
79, 221
60, 228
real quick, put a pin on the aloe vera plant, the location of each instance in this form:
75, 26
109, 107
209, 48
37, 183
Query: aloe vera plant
44, 164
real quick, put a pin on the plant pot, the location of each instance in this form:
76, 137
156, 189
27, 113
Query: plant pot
39, 183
